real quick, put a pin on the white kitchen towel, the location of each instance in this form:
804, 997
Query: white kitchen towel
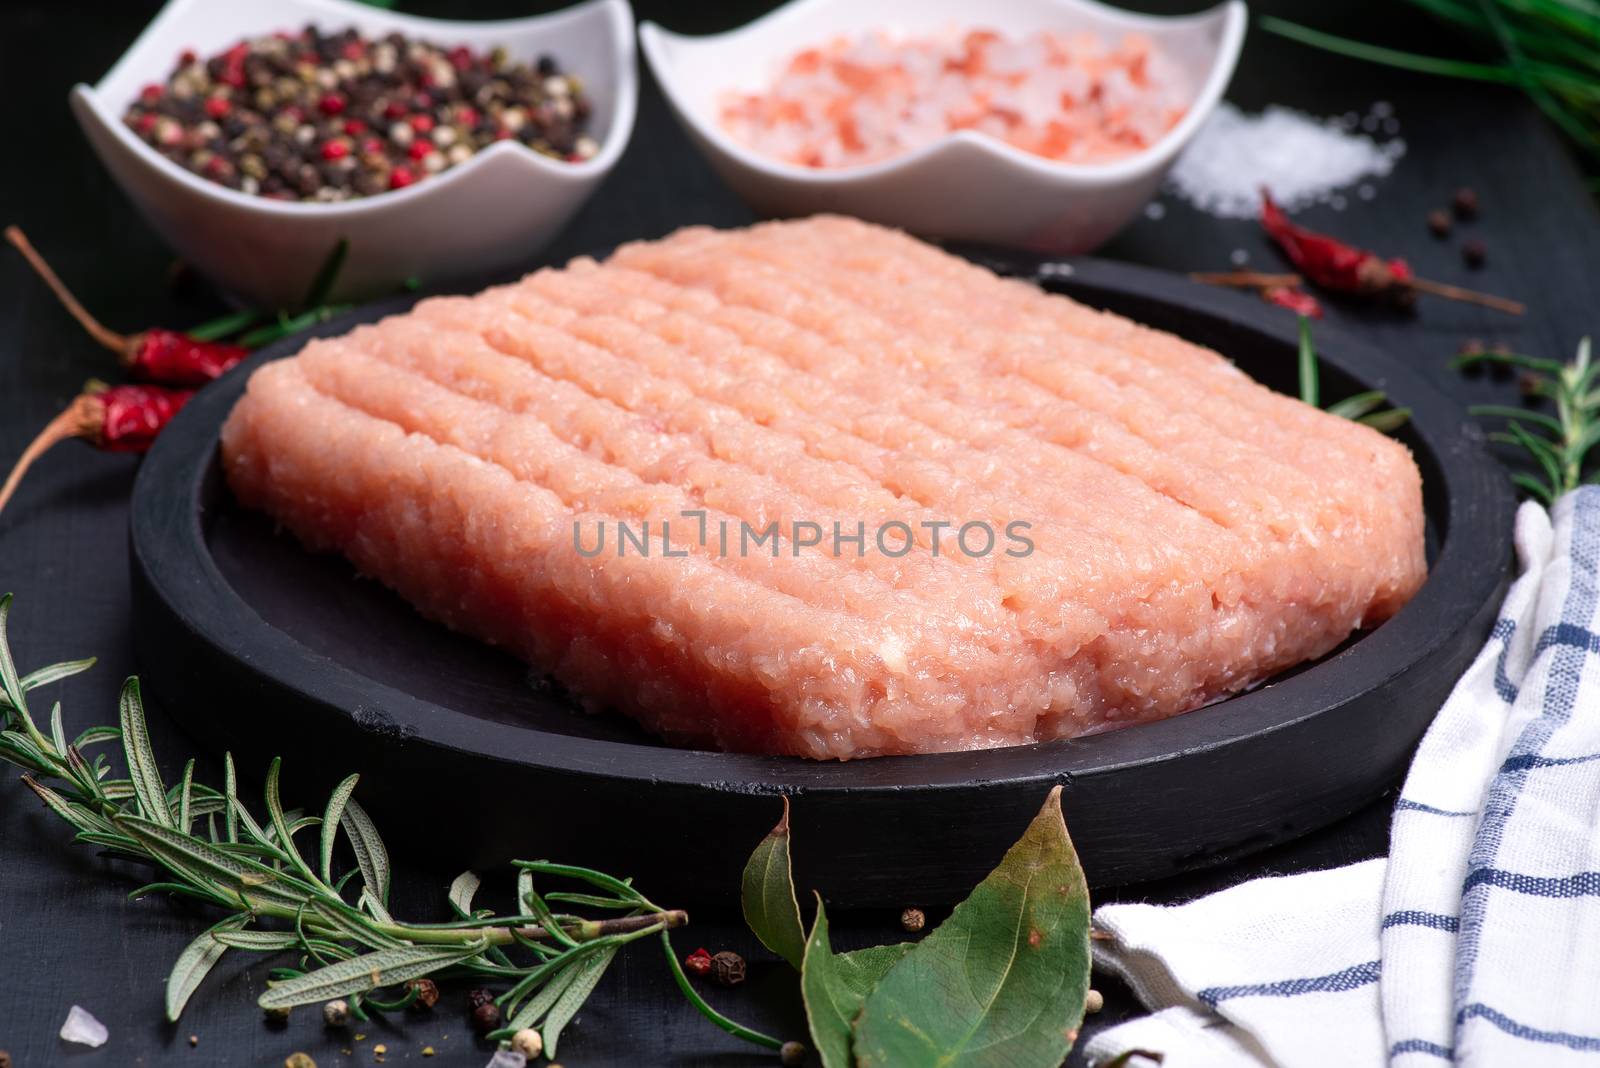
1264, 970
1478, 941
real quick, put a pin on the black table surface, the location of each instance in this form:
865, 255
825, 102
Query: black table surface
69, 935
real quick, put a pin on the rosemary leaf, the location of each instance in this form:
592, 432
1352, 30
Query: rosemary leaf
252, 882
58, 733
370, 971
258, 941
1309, 390
195, 962
95, 736
185, 819
54, 673
230, 791
1387, 421
371, 855
1354, 407
330, 823
587, 976
281, 823
1506, 411
462, 890
142, 770
535, 1008
351, 924
10, 685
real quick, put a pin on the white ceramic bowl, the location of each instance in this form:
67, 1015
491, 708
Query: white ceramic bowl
491, 212
966, 185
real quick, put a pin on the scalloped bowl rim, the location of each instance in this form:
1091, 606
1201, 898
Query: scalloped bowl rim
617, 136
1230, 13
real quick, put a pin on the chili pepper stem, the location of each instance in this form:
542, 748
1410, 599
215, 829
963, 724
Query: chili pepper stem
1469, 296
118, 343
80, 419
1246, 279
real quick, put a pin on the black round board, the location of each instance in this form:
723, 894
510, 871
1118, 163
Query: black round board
258, 646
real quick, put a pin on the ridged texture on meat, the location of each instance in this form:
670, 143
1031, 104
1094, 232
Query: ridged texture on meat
1193, 532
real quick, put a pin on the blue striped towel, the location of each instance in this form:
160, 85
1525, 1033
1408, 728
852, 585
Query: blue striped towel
1477, 941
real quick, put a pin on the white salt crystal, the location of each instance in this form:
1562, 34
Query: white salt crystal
1155, 210
1301, 159
1239, 257
506, 1058
83, 1028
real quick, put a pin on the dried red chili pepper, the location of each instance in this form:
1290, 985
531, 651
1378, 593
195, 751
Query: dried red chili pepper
1296, 300
165, 356
1329, 262
1333, 264
113, 418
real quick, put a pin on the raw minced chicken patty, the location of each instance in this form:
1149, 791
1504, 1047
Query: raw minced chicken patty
1191, 531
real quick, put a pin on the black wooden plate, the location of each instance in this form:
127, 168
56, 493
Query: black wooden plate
263, 648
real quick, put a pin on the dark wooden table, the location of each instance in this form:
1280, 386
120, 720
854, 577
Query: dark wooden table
67, 932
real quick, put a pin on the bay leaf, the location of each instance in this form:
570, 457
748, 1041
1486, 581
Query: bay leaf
767, 895
836, 985
1003, 980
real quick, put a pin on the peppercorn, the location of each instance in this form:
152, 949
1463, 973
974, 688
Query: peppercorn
300, 91
427, 994
1474, 253
5, 1059
727, 968
478, 997
486, 1017
792, 1054
698, 963
336, 1013
1465, 203
276, 1017
1094, 1002
299, 1060
913, 920
528, 1043
1439, 223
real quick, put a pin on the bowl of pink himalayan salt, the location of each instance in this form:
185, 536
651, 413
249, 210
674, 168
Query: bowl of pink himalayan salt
1036, 124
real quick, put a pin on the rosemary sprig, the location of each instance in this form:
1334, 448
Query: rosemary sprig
1558, 444
278, 898
1362, 408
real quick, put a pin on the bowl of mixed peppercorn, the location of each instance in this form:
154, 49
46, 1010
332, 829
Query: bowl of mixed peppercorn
256, 135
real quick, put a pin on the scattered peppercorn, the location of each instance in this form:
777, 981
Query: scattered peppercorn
299, 1060
698, 963
478, 997
485, 1017
913, 920
379, 1051
1094, 1002
427, 1051
528, 1043
336, 1013
1465, 203
727, 968
427, 994
1439, 223
1474, 253
276, 1017
5, 1059
194, 1040
792, 1054
273, 115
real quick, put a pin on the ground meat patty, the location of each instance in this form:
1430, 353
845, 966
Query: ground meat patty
857, 496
